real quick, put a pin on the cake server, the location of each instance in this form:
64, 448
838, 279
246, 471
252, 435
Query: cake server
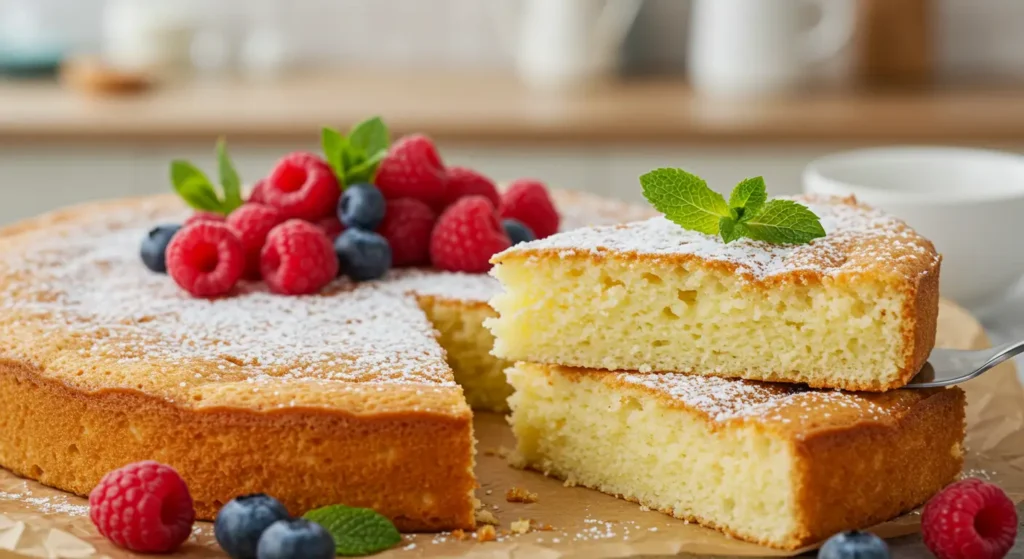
953, 366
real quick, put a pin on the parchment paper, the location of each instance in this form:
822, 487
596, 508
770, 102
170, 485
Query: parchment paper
42, 522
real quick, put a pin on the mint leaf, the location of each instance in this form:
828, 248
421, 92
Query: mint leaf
333, 143
351, 157
685, 199
370, 135
356, 531
731, 229
784, 222
748, 198
229, 180
194, 187
364, 172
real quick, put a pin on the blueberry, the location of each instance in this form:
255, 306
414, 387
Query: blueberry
362, 255
242, 521
296, 539
854, 545
517, 231
154, 247
361, 206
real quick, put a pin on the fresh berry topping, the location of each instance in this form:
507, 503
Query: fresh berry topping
854, 545
527, 200
154, 247
361, 206
251, 223
331, 226
242, 521
466, 236
297, 258
203, 216
296, 539
256, 196
206, 259
517, 232
970, 519
143, 507
302, 186
407, 226
362, 255
463, 181
412, 169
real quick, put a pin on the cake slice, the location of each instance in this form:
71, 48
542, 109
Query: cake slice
854, 310
779, 465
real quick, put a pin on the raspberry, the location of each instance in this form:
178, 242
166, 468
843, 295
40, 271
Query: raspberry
144, 507
463, 181
206, 259
302, 186
970, 519
412, 169
297, 258
251, 223
331, 226
466, 236
527, 200
256, 195
407, 225
203, 216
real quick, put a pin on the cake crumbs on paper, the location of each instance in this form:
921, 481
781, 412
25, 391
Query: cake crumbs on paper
459, 535
489, 491
645, 508
486, 533
520, 495
486, 517
520, 526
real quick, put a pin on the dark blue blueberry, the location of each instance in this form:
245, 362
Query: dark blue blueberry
242, 521
362, 255
517, 231
154, 247
854, 545
296, 539
361, 206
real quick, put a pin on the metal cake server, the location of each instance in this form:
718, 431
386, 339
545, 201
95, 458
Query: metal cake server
953, 366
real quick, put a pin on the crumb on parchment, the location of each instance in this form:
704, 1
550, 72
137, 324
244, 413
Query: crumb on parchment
520, 526
486, 533
520, 495
486, 517
459, 535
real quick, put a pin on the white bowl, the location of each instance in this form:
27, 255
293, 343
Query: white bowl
969, 202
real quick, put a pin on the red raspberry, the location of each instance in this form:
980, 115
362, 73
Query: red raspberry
412, 169
467, 234
970, 519
298, 258
527, 200
251, 223
203, 216
331, 226
407, 225
256, 195
206, 259
144, 507
463, 181
302, 186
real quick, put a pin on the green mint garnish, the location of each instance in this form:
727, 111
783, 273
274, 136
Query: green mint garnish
354, 158
198, 190
686, 200
356, 531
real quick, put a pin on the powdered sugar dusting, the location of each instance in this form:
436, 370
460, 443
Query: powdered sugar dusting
858, 238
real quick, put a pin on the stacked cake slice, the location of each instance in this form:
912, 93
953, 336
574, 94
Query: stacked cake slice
624, 336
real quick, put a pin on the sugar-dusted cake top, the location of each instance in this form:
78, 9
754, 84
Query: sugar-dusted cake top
79, 307
859, 239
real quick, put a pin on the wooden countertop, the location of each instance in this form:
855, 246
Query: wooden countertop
495, 109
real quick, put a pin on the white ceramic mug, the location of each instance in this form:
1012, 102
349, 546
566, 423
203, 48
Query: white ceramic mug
566, 43
748, 47
969, 202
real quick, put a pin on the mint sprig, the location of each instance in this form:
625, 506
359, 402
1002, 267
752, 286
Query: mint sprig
198, 190
356, 531
354, 158
686, 200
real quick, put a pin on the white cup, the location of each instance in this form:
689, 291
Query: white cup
969, 202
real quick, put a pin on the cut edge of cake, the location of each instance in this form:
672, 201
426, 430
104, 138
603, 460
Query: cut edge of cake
772, 464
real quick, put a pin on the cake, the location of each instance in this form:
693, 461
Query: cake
854, 310
344, 397
776, 464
